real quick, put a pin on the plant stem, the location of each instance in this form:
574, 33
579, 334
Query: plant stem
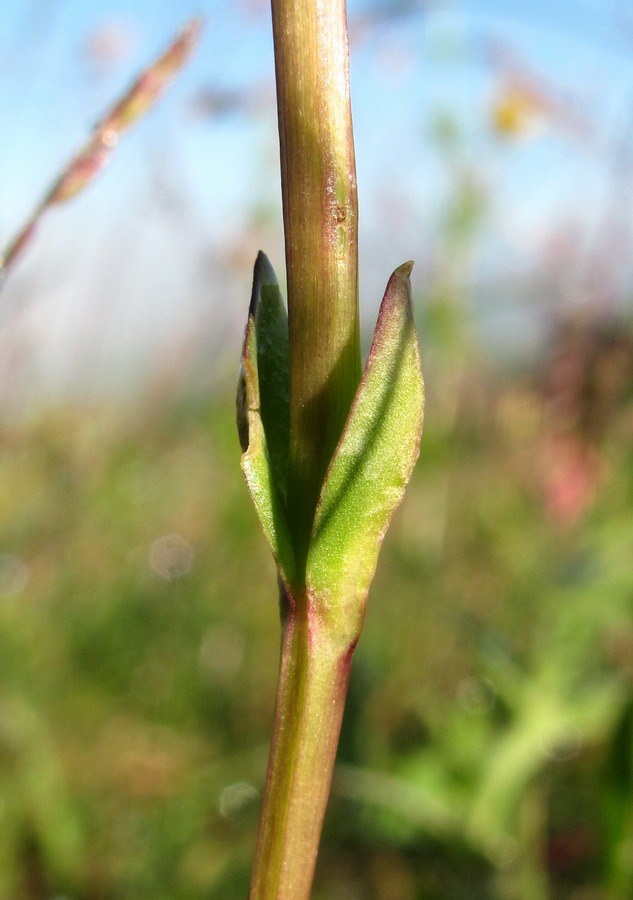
312, 688
320, 222
320, 219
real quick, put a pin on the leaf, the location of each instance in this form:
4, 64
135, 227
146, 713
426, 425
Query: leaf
263, 412
271, 326
371, 465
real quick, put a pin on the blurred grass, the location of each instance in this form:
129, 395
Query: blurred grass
487, 746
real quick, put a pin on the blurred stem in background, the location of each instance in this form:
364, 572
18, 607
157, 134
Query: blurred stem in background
96, 153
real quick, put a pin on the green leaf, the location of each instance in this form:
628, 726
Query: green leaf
263, 412
371, 465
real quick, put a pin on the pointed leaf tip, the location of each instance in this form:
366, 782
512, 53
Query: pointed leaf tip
263, 274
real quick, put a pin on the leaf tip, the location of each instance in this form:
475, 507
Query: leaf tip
404, 271
263, 273
398, 288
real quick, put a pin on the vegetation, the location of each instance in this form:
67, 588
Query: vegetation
487, 748
487, 743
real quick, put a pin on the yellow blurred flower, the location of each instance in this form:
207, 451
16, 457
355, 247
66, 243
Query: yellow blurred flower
518, 112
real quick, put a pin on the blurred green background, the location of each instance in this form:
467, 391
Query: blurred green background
487, 747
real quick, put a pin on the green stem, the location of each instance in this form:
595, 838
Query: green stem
311, 696
320, 222
320, 219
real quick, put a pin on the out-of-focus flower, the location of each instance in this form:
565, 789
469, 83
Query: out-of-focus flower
572, 473
525, 104
586, 387
518, 111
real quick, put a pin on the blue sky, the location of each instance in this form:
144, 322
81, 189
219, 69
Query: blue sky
191, 193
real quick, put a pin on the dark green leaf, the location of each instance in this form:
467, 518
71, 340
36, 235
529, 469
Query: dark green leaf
262, 412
